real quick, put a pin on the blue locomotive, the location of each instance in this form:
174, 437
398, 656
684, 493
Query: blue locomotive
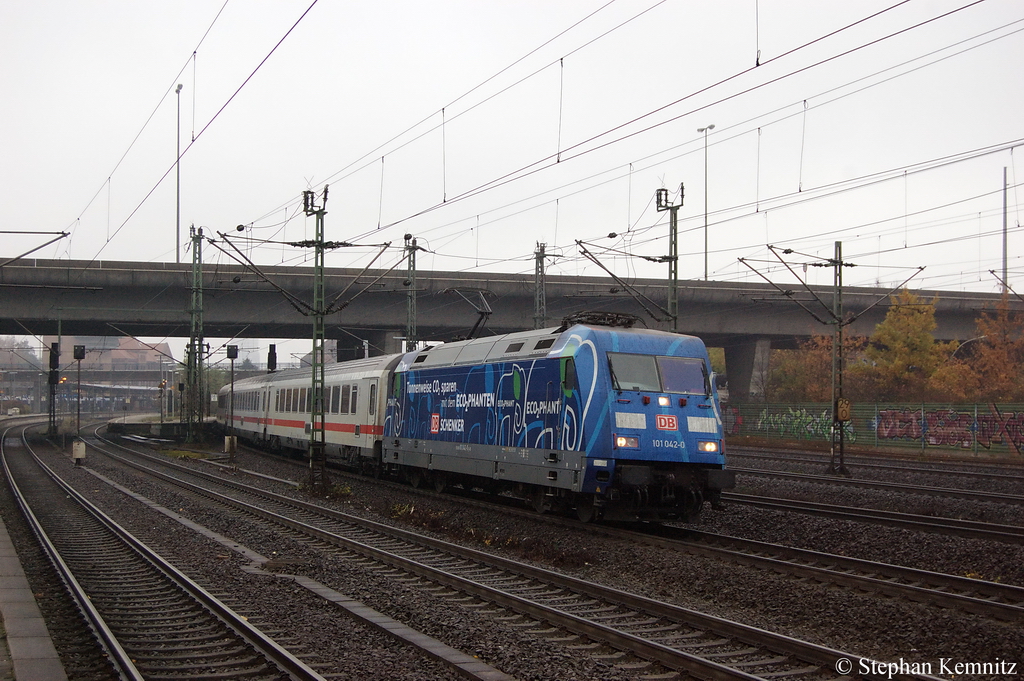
600, 420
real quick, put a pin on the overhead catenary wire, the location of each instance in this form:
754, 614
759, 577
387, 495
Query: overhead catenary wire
808, 195
582, 149
222, 8
353, 166
799, 112
774, 57
199, 134
525, 171
145, 125
489, 222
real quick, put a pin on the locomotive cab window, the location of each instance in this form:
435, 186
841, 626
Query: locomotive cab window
686, 375
633, 372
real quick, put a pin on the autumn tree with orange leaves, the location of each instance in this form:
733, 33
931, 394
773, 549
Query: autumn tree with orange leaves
902, 355
902, 362
805, 374
996, 357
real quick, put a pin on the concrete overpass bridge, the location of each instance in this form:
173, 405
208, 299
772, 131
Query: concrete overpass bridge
103, 298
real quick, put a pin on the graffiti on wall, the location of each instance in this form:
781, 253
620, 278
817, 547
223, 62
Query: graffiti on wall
802, 423
732, 420
952, 428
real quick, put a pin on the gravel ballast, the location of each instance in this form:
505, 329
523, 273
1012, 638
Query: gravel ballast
859, 623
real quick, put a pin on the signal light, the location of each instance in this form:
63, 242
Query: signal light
627, 442
709, 447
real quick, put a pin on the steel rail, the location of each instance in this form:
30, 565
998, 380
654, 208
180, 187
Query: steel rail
650, 650
733, 453
996, 468
948, 492
1001, 601
270, 649
832, 568
808, 653
106, 638
970, 529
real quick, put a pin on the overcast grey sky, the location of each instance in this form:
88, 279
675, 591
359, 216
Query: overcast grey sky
485, 127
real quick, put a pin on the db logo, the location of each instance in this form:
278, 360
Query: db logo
435, 423
666, 422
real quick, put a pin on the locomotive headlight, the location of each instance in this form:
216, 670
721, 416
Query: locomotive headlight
623, 441
664, 401
710, 447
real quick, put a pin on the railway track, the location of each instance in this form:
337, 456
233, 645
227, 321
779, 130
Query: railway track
1015, 476
990, 599
945, 492
970, 529
581, 614
150, 619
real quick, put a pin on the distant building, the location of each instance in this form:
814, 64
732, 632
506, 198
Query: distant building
117, 374
112, 353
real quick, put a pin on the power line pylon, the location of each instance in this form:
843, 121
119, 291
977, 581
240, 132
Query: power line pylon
662, 203
540, 305
835, 317
318, 310
193, 409
318, 481
840, 405
410, 281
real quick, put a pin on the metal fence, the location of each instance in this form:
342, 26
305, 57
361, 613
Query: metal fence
977, 428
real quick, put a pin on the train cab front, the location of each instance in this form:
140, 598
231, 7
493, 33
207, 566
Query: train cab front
666, 449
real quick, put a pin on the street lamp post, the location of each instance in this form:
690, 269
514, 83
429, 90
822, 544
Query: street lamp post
961, 346
177, 168
705, 130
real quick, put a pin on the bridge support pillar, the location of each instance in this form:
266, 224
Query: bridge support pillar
381, 342
746, 365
